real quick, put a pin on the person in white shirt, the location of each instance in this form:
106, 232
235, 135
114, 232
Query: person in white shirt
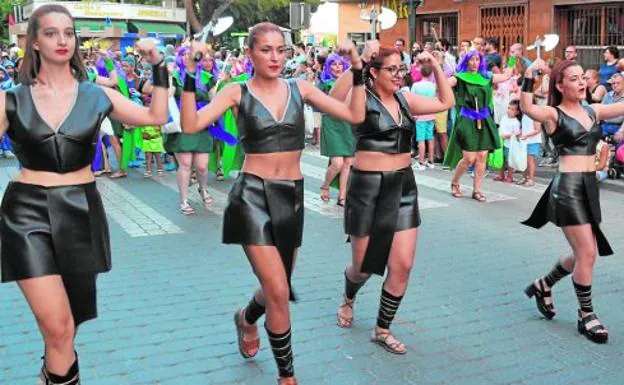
509, 129
532, 135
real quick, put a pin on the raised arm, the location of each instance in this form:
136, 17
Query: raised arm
344, 83
352, 112
608, 111
131, 114
193, 121
546, 115
502, 77
110, 81
420, 105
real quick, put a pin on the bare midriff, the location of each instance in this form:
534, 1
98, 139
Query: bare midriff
577, 163
379, 161
50, 179
274, 165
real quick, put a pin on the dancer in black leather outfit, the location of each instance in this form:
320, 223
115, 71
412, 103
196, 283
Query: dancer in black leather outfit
381, 212
572, 198
52, 224
265, 207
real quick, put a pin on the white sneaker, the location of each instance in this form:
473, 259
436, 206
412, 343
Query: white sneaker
429, 165
419, 167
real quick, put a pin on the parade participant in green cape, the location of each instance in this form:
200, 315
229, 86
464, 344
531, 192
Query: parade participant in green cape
474, 134
337, 140
227, 157
192, 150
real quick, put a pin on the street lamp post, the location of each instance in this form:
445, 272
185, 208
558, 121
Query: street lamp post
411, 8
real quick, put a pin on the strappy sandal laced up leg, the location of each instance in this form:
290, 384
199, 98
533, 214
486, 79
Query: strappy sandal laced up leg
543, 298
590, 326
386, 340
342, 321
247, 348
456, 191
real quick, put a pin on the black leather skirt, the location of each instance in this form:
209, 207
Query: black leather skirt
59, 230
266, 212
572, 198
380, 203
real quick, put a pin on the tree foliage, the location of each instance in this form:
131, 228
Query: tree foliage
6, 9
249, 12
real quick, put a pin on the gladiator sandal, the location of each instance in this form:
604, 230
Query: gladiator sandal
590, 327
71, 378
543, 298
247, 348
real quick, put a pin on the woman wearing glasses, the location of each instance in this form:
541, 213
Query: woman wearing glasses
474, 134
381, 213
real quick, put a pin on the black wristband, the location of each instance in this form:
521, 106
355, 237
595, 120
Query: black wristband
527, 85
160, 76
358, 77
189, 82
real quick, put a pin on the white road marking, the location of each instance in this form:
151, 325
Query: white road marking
311, 171
134, 216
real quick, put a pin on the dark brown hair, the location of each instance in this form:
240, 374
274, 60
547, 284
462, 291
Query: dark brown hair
556, 77
32, 61
261, 28
377, 63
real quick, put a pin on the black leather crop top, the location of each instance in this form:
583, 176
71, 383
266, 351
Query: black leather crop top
380, 132
260, 132
571, 138
72, 147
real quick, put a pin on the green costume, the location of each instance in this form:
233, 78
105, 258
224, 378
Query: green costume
131, 138
232, 157
200, 142
152, 139
337, 137
473, 93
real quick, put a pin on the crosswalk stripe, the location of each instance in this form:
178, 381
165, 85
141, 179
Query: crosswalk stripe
311, 171
134, 216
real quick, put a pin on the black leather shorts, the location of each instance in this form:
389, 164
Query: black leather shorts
572, 198
59, 230
380, 203
265, 212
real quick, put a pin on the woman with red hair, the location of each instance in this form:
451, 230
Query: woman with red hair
572, 198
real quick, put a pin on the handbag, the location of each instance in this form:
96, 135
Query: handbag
517, 154
173, 124
496, 159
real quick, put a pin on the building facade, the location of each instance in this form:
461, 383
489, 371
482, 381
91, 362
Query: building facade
118, 23
588, 24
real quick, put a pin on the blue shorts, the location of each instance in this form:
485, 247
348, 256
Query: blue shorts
534, 149
424, 130
506, 154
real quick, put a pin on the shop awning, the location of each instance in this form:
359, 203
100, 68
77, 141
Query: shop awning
165, 29
99, 26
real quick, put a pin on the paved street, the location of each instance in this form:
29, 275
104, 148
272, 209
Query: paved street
166, 308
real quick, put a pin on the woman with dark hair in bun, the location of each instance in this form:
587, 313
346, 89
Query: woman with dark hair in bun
381, 212
265, 206
572, 200
53, 227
